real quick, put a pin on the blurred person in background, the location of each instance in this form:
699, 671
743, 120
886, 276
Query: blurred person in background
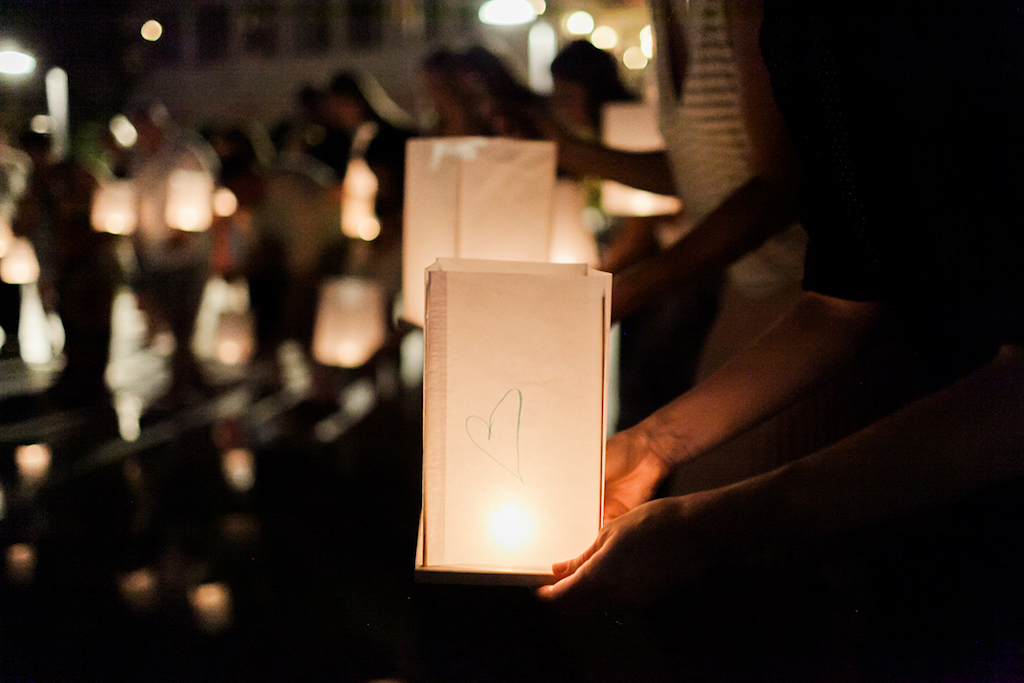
660, 342
15, 169
172, 265
79, 272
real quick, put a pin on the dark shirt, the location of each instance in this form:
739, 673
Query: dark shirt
909, 119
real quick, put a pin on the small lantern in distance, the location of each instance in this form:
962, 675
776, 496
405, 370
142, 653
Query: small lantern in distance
633, 127
115, 207
350, 322
19, 266
189, 200
358, 199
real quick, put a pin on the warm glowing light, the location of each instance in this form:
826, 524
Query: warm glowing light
350, 322
541, 49
152, 30
647, 41
33, 462
239, 468
604, 37
128, 407
211, 603
41, 124
16, 63
234, 337
225, 203
507, 12
579, 23
571, 240
539, 6
115, 207
369, 229
123, 130
189, 200
510, 527
139, 589
634, 58
19, 265
358, 196
21, 562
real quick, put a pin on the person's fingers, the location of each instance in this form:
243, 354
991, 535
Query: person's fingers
578, 589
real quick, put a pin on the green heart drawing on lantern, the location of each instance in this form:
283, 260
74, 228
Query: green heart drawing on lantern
498, 435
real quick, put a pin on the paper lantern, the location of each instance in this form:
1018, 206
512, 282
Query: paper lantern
358, 200
633, 127
350, 323
19, 266
115, 207
515, 399
571, 240
471, 197
225, 330
189, 200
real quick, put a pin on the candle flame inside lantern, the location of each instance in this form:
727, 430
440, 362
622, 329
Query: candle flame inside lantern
510, 527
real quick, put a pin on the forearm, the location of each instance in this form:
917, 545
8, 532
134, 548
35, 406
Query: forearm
643, 170
747, 217
816, 336
936, 450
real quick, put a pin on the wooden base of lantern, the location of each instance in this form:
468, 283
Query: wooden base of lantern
483, 577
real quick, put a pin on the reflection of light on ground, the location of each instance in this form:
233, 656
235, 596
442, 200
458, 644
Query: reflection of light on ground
511, 527
33, 462
239, 468
21, 562
211, 603
139, 589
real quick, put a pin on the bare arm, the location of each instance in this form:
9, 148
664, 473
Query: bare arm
816, 336
938, 449
763, 206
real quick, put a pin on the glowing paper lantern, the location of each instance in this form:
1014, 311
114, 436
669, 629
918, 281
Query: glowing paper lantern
471, 197
633, 127
224, 326
571, 239
19, 266
515, 397
189, 200
115, 207
358, 198
350, 323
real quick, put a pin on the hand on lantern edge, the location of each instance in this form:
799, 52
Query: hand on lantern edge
637, 559
632, 472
